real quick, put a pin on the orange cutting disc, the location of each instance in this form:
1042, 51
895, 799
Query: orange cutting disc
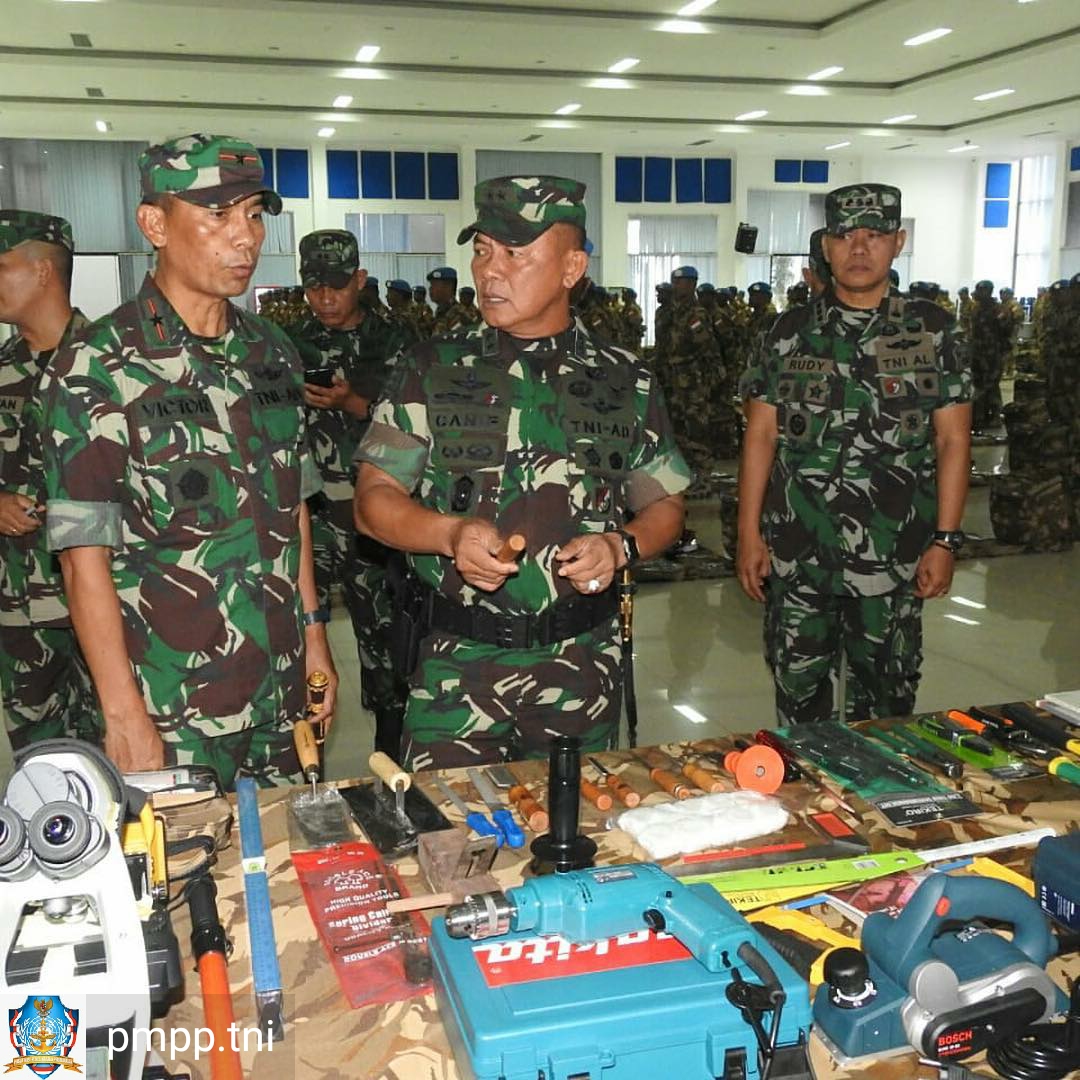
758, 768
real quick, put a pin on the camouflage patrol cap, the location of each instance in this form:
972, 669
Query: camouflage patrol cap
328, 257
214, 171
684, 272
19, 226
515, 210
443, 273
863, 206
397, 285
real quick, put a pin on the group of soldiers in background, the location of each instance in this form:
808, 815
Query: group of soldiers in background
406, 306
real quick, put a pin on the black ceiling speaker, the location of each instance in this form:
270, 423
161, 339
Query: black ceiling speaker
746, 238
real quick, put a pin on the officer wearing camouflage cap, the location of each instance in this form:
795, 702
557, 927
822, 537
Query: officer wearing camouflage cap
177, 472
45, 686
348, 348
854, 474
528, 425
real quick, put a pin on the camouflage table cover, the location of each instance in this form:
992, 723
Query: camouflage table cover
406, 1041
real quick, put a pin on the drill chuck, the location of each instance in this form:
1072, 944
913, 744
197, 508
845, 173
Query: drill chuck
482, 916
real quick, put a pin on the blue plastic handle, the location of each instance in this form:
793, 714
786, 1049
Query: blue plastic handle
515, 838
482, 827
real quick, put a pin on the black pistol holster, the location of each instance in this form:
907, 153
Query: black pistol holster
412, 618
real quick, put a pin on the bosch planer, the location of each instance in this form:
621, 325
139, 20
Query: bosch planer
615, 973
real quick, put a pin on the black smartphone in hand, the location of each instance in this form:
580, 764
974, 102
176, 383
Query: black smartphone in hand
323, 377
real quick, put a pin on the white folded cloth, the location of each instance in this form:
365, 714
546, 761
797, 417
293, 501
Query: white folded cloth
689, 825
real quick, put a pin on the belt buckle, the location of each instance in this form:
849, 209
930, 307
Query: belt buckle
513, 631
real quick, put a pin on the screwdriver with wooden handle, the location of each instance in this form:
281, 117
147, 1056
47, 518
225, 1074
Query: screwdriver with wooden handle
387, 770
709, 782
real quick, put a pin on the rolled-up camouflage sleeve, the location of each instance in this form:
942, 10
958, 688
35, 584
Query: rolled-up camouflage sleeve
399, 438
85, 449
759, 379
657, 467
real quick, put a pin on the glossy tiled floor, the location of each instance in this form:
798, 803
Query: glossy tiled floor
1010, 630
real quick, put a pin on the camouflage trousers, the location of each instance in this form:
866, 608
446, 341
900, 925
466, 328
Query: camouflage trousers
358, 565
265, 751
986, 370
477, 704
807, 635
690, 407
45, 686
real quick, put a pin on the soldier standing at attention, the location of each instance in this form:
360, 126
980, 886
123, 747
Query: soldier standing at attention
450, 316
762, 311
1012, 318
987, 344
351, 345
854, 474
633, 322
44, 684
423, 316
530, 426
402, 313
369, 296
177, 470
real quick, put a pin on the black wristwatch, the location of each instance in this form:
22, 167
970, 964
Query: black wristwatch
952, 539
629, 546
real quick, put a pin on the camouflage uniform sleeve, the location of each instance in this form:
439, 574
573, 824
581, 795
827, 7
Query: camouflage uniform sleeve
85, 450
657, 467
955, 376
759, 379
399, 438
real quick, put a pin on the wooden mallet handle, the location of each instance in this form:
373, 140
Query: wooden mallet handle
702, 778
389, 771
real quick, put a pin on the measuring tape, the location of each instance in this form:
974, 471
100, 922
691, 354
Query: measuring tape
265, 969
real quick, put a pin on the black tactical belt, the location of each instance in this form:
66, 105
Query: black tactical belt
565, 619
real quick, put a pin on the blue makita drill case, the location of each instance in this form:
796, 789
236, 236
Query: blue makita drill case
525, 1005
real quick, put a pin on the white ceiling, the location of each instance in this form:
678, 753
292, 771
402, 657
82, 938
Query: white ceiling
493, 72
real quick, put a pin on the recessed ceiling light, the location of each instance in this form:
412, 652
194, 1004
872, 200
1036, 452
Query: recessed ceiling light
824, 73
961, 149
566, 110
695, 7
361, 73
930, 35
625, 64
754, 114
342, 101
611, 84
366, 53
993, 94
901, 119
838, 145
807, 90
103, 126
325, 133
682, 26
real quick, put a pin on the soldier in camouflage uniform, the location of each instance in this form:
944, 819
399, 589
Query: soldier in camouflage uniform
45, 686
697, 373
402, 310
176, 472
1011, 315
987, 346
423, 316
589, 304
450, 316
467, 299
846, 523
798, 295
762, 312
662, 337
964, 308
369, 296
343, 336
526, 426
633, 322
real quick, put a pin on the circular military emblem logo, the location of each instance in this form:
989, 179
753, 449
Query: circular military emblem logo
480, 452
797, 424
592, 456
616, 460
579, 388
452, 453
913, 421
194, 485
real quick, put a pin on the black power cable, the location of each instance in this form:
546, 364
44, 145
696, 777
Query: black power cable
1044, 1051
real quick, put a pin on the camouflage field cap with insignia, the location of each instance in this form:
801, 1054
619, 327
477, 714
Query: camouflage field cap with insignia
515, 210
214, 171
863, 206
20, 226
328, 257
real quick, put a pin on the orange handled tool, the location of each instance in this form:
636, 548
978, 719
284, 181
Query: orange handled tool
757, 768
600, 799
512, 548
209, 945
532, 813
622, 790
670, 783
702, 778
